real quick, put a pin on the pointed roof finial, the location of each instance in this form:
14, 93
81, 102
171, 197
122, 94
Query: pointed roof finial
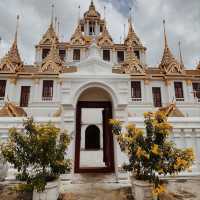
180, 53
104, 9
17, 28
165, 34
79, 13
92, 3
52, 13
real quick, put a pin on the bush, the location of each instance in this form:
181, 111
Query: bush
37, 152
151, 153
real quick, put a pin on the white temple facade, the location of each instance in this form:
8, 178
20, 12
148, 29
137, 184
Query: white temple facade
79, 85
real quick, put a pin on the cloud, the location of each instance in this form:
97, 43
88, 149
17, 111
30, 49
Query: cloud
182, 17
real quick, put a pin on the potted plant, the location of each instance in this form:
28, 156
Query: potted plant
151, 154
3, 168
38, 153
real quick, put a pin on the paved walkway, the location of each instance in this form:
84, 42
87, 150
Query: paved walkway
180, 189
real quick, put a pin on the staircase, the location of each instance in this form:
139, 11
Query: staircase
96, 187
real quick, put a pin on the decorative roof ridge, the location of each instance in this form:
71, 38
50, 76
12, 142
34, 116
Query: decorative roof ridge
105, 37
12, 60
49, 36
198, 66
131, 64
53, 61
169, 64
78, 37
10, 109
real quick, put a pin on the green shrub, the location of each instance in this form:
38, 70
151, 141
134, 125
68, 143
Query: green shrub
37, 152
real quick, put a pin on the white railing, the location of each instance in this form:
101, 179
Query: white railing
179, 99
47, 98
186, 133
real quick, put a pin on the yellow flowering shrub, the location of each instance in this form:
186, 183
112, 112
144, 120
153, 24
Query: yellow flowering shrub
151, 153
40, 147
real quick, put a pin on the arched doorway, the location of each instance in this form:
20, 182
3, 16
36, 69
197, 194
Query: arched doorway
94, 106
92, 138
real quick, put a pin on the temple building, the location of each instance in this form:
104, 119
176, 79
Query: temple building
81, 83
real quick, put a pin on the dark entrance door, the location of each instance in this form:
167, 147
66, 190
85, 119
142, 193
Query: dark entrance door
108, 146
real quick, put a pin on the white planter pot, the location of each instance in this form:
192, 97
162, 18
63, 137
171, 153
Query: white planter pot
3, 169
142, 190
51, 192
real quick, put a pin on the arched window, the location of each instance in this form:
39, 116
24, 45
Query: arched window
92, 138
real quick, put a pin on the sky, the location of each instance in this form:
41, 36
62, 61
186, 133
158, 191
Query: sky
182, 24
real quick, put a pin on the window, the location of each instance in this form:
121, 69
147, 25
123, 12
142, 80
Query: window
92, 138
47, 93
45, 53
62, 54
196, 90
120, 56
25, 94
136, 91
137, 53
106, 55
2, 89
82, 28
92, 28
157, 100
101, 28
77, 55
178, 87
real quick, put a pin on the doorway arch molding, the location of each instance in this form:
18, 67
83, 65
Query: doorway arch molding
101, 85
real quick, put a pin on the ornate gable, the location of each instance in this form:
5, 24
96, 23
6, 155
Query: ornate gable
92, 13
132, 39
78, 38
49, 36
12, 62
132, 65
105, 39
53, 62
169, 65
171, 110
12, 110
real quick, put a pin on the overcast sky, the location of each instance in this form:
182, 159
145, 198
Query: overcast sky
182, 23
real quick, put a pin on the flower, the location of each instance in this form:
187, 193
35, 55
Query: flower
140, 152
155, 149
115, 122
158, 190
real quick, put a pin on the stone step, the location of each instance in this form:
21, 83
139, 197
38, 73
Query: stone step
96, 191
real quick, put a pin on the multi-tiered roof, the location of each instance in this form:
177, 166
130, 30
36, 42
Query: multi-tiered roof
169, 66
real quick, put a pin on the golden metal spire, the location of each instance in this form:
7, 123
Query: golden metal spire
165, 35
180, 53
52, 13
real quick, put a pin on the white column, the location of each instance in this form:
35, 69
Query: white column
148, 92
189, 92
11, 91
